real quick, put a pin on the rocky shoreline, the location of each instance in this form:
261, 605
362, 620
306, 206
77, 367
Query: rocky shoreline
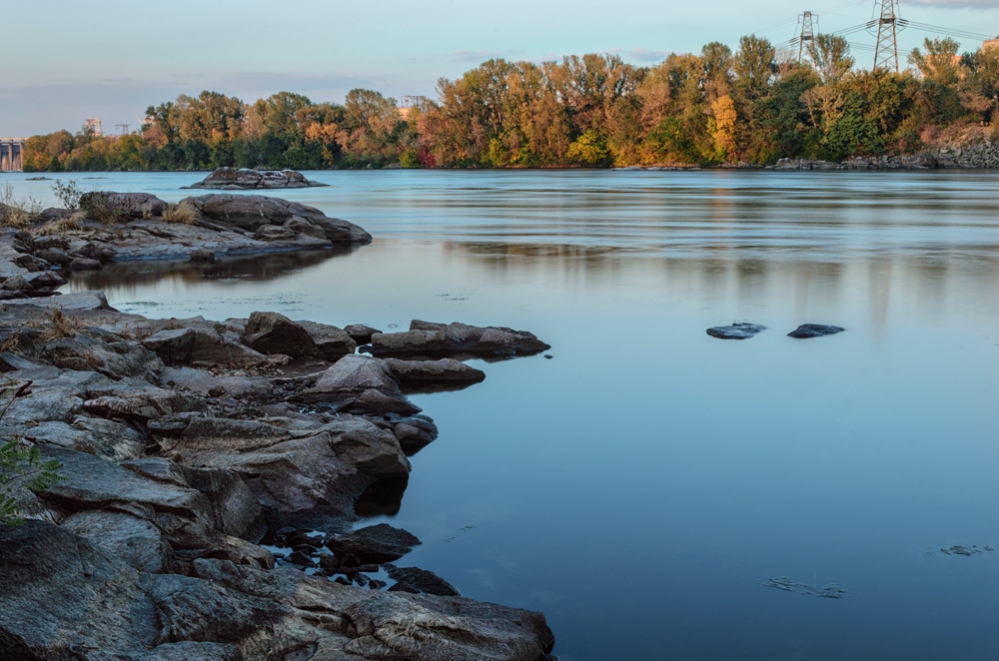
981, 156
213, 470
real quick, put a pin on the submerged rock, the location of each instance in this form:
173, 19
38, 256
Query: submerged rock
737, 331
246, 179
806, 331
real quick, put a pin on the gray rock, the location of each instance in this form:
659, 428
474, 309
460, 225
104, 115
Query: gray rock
133, 540
428, 373
360, 333
84, 264
374, 544
272, 333
332, 342
428, 340
363, 384
737, 331
806, 331
251, 212
201, 346
244, 179
421, 580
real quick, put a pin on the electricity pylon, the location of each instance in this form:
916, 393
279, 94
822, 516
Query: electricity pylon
886, 54
807, 33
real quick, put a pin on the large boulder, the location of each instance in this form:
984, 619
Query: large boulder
333, 343
251, 212
273, 333
361, 384
435, 340
201, 347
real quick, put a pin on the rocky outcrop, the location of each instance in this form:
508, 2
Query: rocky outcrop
63, 597
736, 331
183, 450
456, 340
981, 155
107, 205
250, 213
246, 179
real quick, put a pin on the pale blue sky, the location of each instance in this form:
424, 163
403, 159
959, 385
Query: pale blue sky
66, 60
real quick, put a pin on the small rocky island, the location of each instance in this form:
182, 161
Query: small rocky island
247, 179
213, 470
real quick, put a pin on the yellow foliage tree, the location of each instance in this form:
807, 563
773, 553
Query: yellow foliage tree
723, 110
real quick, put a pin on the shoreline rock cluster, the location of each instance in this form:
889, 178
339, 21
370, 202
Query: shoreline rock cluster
981, 156
33, 263
213, 471
247, 179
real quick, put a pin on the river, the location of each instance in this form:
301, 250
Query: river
642, 485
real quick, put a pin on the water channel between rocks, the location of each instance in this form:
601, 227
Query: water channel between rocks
647, 485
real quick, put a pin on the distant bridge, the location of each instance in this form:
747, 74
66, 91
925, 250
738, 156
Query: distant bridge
11, 154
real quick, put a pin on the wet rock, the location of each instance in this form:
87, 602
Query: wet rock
428, 373
374, 544
420, 580
55, 256
360, 333
203, 256
737, 331
272, 333
84, 264
245, 179
807, 331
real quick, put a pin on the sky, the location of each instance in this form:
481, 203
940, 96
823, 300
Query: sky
66, 60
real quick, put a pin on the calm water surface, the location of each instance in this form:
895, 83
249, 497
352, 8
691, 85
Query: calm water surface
641, 486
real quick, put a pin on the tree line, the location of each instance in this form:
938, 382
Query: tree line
752, 105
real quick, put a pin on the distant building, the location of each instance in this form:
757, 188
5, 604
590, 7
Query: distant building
93, 126
990, 44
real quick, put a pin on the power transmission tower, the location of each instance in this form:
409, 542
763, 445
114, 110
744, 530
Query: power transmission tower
123, 128
886, 54
807, 33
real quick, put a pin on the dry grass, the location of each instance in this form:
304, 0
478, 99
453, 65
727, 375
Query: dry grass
13, 343
17, 212
59, 325
61, 226
180, 213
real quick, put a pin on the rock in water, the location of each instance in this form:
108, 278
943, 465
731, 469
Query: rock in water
412, 579
246, 179
736, 331
270, 333
434, 340
806, 331
374, 544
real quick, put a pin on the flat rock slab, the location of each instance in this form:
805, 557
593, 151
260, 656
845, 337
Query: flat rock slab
807, 331
416, 580
736, 331
456, 340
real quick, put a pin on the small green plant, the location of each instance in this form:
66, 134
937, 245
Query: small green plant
21, 463
68, 193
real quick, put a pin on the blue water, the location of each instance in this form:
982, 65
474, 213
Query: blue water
640, 486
